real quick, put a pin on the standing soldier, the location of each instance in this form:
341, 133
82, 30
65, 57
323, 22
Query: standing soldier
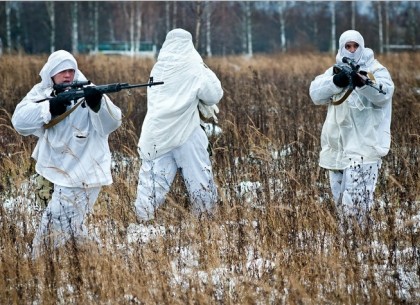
73, 154
171, 137
356, 133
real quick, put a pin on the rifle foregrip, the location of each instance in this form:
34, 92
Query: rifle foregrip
110, 88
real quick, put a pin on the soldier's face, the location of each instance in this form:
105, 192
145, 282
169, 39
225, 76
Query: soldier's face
65, 76
351, 46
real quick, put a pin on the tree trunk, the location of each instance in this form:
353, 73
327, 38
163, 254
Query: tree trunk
75, 30
132, 12
174, 15
111, 29
51, 15
208, 28
139, 22
333, 28
95, 27
8, 27
281, 7
19, 27
387, 27
248, 29
412, 24
167, 15
380, 28
198, 13
353, 15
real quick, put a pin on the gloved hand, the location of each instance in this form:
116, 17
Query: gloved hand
58, 105
93, 98
208, 112
341, 79
357, 79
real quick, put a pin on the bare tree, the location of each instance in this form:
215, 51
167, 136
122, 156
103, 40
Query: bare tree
412, 21
174, 15
129, 6
387, 26
353, 14
208, 28
17, 8
95, 26
167, 15
139, 22
198, 18
333, 28
247, 33
75, 30
281, 6
51, 14
8, 7
380, 27
111, 28
151, 19
133, 11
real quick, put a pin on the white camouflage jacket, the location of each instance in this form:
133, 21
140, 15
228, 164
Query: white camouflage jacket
75, 152
357, 130
172, 108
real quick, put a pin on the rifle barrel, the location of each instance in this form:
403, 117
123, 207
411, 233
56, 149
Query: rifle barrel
143, 85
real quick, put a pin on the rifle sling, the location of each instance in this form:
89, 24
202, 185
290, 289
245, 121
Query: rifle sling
345, 96
61, 117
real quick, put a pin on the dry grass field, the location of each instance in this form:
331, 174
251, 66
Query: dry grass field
274, 239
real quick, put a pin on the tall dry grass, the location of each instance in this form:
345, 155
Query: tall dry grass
275, 242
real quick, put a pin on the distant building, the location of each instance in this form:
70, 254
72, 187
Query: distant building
402, 47
147, 49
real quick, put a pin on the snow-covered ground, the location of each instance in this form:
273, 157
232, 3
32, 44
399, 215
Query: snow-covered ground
185, 264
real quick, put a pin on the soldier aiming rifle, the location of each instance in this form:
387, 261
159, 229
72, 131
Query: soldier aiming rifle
356, 133
73, 155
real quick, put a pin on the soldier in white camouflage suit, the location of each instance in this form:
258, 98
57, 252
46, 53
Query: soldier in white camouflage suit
171, 137
73, 154
356, 133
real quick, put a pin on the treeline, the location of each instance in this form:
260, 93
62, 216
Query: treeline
219, 28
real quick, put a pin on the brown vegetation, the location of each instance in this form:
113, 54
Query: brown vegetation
276, 243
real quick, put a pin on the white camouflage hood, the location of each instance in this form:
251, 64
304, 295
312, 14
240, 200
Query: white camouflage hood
178, 48
59, 61
363, 56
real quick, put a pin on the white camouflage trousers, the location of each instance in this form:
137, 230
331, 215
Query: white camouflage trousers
64, 217
353, 189
156, 177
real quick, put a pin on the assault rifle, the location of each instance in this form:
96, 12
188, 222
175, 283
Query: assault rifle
352, 68
74, 90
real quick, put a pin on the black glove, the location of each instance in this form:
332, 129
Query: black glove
341, 79
58, 105
356, 78
93, 98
